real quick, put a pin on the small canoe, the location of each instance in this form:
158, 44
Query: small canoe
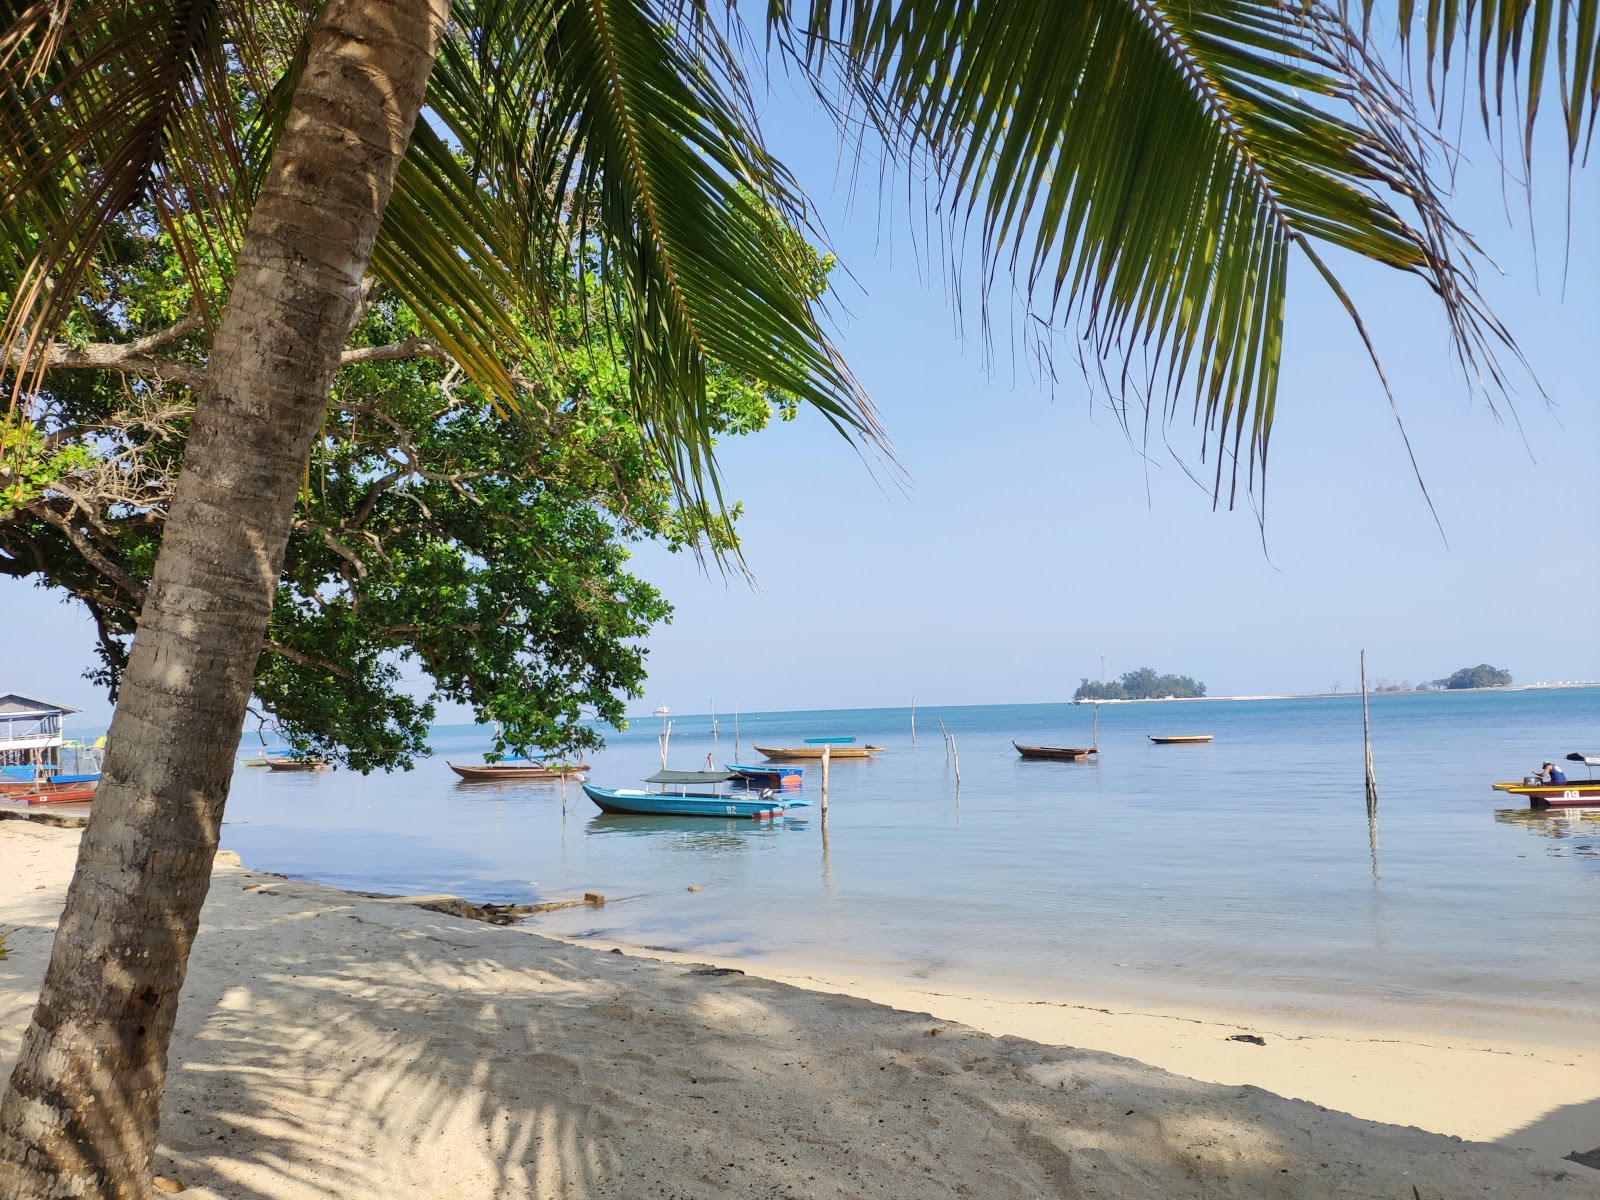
1179, 739
502, 772
769, 776
754, 805
1056, 753
297, 764
806, 753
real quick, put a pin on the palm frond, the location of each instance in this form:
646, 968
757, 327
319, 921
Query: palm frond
109, 105
1513, 46
1146, 167
616, 138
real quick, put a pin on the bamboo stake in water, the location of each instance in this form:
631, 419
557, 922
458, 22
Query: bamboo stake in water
956, 754
946, 733
1366, 736
913, 720
825, 759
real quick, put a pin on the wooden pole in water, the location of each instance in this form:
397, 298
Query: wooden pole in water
913, 720
825, 760
956, 754
946, 734
735, 733
1366, 736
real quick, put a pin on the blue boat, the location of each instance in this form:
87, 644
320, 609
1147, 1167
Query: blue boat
770, 775
686, 803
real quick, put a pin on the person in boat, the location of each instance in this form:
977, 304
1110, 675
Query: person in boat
1550, 773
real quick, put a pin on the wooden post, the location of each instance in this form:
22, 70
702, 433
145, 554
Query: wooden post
825, 760
956, 754
946, 734
913, 720
1366, 736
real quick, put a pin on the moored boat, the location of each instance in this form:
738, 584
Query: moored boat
813, 750
685, 803
64, 794
297, 763
522, 769
1057, 753
1179, 739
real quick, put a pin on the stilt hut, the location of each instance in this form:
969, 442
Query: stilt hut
30, 730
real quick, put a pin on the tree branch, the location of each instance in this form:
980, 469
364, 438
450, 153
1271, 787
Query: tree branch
410, 348
131, 358
305, 660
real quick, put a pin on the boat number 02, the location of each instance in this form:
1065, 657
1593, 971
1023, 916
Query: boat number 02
731, 810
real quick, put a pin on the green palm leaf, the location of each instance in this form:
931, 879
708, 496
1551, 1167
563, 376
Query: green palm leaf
1146, 169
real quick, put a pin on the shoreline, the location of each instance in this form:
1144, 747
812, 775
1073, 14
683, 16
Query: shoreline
333, 1043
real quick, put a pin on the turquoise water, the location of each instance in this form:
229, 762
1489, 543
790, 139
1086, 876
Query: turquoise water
1242, 873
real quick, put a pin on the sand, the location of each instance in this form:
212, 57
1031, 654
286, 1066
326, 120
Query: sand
334, 1045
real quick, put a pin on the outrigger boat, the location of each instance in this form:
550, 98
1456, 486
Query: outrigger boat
769, 776
1572, 793
1180, 739
812, 748
685, 803
1057, 753
516, 768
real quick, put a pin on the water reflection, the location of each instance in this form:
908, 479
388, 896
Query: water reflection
1576, 831
694, 834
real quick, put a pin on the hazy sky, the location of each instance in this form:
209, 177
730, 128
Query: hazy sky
1030, 536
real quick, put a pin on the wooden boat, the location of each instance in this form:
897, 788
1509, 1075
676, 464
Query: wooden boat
17, 785
1571, 793
813, 751
1056, 753
297, 764
769, 776
66, 794
685, 803
1179, 739
500, 772
1575, 793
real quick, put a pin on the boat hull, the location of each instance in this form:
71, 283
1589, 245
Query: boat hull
296, 764
677, 804
1057, 753
774, 776
1575, 793
1185, 739
807, 753
492, 774
74, 794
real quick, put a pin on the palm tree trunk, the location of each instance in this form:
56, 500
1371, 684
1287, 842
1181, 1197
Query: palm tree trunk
80, 1116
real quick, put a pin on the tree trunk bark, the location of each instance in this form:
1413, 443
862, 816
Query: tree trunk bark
81, 1114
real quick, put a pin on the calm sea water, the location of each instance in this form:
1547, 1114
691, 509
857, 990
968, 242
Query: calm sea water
1242, 873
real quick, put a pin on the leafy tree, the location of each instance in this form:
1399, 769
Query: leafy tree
429, 529
1149, 171
1480, 676
1143, 684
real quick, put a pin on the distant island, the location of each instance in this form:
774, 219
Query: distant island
1480, 676
1143, 684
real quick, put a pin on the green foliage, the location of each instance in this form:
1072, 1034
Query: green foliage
1480, 676
1143, 684
437, 543
30, 463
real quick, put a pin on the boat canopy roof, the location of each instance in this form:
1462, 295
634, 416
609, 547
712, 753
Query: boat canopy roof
1591, 760
829, 741
691, 777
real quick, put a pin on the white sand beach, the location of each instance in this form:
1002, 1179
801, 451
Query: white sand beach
335, 1045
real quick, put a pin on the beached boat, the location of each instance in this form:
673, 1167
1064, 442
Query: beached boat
770, 776
1057, 753
685, 803
64, 794
1179, 739
813, 748
16, 783
502, 771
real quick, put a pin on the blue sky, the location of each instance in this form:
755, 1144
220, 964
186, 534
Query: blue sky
1028, 536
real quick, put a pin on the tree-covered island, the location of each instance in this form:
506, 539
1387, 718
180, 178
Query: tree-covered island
1143, 684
